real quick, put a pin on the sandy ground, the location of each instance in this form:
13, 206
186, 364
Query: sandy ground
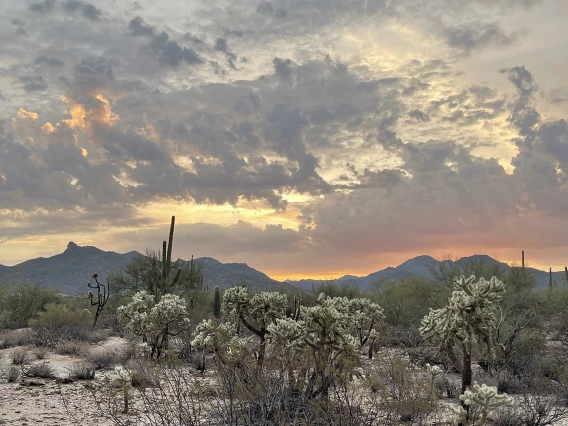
47, 402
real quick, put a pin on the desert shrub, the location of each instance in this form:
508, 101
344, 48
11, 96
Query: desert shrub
40, 352
71, 348
406, 302
181, 345
541, 409
509, 383
142, 376
105, 358
20, 357
10, 339
446, 386
405, 337
22, 302
82, 371
549, 367
58, 323
176, 398
405, 394
507, 416
42, 370
333, 289
12, 374
427, 354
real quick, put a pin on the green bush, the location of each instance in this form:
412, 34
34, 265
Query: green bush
406, 302
22, 302
58, 323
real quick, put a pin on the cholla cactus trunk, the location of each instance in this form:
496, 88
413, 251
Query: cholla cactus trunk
467, 376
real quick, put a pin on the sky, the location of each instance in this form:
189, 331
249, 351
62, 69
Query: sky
307, 138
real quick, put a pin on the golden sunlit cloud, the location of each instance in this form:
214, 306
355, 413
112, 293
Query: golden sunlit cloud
48, 128
22, 113
82, 117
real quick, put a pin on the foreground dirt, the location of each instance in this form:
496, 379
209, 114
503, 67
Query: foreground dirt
52, 402
48, 403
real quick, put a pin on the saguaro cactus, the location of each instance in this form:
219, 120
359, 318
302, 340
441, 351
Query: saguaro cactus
217, 302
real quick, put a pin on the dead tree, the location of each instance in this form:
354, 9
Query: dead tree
103, 293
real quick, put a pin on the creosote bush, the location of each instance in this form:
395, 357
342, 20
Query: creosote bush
42, 370
82, 371
59, 323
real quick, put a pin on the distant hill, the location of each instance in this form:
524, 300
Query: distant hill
419, 267
70, 271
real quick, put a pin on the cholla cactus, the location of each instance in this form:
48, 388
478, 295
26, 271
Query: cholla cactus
256, 313
469, 315
434, 371
469, 318
368, 318
123, 379
329, 343
484, 398
153, 320
214, 335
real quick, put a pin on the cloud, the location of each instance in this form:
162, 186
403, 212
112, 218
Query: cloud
34, 83
45, 60
348, 114
87, 9
419, 115
22, 113
44, 6
475, 36
165, 51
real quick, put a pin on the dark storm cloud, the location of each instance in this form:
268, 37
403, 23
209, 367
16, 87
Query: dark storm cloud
165, 51
34, 83
87, 9
139, 27
221, 46
476, 36
44, 6
524, 116
419, 115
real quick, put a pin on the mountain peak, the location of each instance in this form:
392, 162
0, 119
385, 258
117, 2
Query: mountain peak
71, 246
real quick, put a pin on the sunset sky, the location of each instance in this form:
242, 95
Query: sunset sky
307, 138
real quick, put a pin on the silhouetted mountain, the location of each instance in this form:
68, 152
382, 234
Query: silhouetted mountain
227, 275
70, 271
420, 267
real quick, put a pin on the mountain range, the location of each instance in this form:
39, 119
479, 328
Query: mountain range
420, 266
70, 271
